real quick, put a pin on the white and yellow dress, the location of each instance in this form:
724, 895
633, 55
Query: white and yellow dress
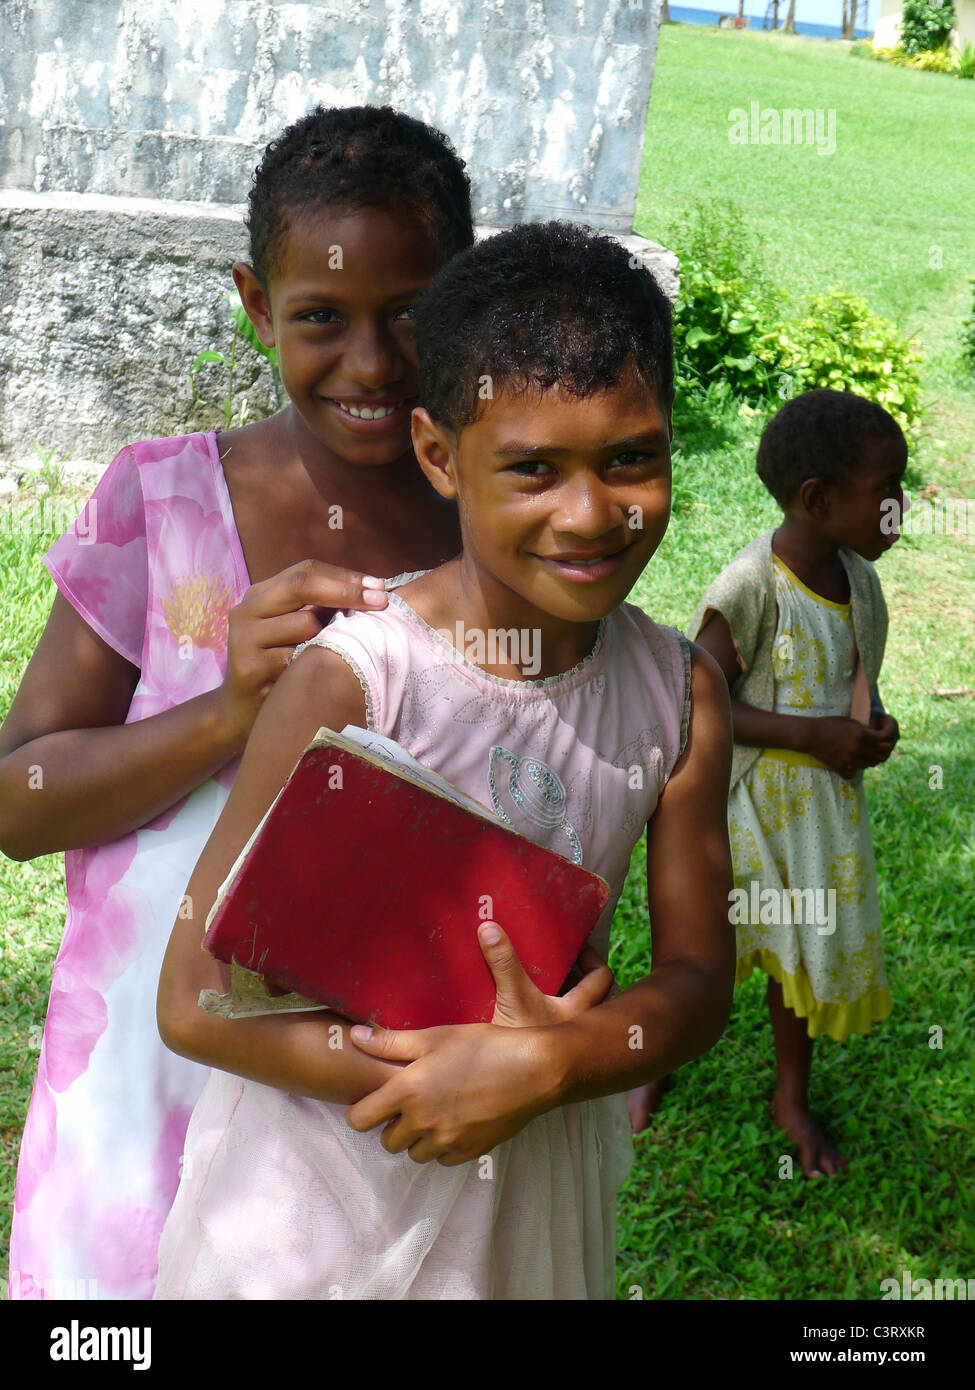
795, 824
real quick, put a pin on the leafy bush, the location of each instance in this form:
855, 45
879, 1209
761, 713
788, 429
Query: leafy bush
841, 345
966, 61
716, 328
944, 59
968, 341
925, 27
725, 305
731, 337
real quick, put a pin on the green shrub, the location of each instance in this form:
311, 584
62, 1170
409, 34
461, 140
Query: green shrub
725, 305
966, 61
731, 338
942, 59
925, 27
897, 56
235, 411
841, 345
968, 341
716, 328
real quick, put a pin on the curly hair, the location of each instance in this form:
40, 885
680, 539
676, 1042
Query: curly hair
540, 305
353, 157
819, 434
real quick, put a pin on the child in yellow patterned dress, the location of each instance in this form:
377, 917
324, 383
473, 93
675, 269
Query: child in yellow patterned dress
798, 623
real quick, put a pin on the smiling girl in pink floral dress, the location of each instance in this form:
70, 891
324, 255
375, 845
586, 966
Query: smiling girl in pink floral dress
182, 591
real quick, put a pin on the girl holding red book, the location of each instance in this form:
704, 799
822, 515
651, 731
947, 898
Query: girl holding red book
482, 1161
182, 591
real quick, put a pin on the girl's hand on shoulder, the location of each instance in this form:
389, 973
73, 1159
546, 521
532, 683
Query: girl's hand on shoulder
272, 619
845, 745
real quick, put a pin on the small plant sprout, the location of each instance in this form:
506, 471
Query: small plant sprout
50, 472
242, 329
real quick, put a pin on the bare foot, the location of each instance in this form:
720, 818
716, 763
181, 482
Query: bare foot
645, 1102
816, 1154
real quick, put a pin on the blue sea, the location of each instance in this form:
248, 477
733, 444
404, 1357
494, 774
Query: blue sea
685, 15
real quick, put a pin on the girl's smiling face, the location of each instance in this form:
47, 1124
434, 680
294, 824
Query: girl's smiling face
562, 500
339, 309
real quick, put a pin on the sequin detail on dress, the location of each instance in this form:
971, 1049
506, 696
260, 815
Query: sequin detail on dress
537, 791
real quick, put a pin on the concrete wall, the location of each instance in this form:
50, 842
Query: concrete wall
546, 99
104, 305
129, 132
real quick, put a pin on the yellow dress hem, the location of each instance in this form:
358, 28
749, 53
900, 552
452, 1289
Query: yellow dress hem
838, 1020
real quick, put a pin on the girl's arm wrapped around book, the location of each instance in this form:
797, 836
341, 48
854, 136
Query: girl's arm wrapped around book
468, 1089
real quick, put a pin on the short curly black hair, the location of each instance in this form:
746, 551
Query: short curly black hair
820, 434
354, 157
540, 305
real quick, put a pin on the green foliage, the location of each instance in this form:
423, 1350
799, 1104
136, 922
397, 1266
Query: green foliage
729, 336
841, 345
925, 27
50, 471
968, 341
725, 302
944, 59
966, 61
242, 329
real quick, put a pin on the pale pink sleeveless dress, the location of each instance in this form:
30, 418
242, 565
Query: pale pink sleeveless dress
153, 565
279, 1198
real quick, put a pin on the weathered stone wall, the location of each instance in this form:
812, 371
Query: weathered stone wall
129, 132
104, 304
176, 99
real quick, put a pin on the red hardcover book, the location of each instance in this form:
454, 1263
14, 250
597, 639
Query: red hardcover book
363, 887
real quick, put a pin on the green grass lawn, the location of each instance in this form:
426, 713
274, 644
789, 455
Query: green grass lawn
705, 1213
901, 180
31, 895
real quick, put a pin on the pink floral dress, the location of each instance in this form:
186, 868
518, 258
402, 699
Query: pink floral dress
153, 565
